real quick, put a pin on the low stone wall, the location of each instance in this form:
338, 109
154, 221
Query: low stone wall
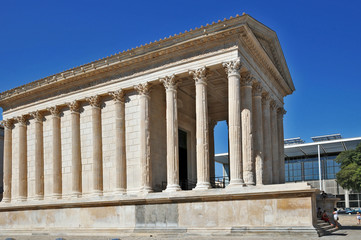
274, 209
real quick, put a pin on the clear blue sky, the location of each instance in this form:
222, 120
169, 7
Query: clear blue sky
321, 41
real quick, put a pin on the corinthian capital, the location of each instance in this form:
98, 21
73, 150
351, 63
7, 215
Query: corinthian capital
94, 101
273, 105
199, 75
281, 110
23, 120
118, 96
170, 82
143, 88
74, 106
257, 89
8, 123
55, 111
247, 79
232, 67
38, 116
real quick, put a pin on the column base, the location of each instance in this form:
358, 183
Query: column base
39, 197
120, 191
21, 199
172, 188
56, 196
202, 186
237, 183
76, 194
96, 193
6, 200
146, 189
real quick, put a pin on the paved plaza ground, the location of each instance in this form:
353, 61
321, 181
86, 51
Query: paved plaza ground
349, 230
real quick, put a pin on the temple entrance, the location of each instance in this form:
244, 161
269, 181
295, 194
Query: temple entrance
183, 167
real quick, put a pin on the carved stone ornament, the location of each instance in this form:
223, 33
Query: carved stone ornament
199, 75
8, 123
94, 101
257, 89
281, 110
118, 96
38, 116
265, 98
143, 88
55, 111
74, 106
170, 82
232, 67
273, 104
22, 120
246, 79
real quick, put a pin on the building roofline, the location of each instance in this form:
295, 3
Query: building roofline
323, 142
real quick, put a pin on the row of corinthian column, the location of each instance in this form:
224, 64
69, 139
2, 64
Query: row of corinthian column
255, 138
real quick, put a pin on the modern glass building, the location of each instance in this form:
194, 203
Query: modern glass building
314, 163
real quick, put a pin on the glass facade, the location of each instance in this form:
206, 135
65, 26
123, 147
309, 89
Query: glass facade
306, 168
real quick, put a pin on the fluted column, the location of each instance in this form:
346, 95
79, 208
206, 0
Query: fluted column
275, 154
23, 158
234, 122
39, 155
170, 85
258, 133
212, 124
267, 139
247, 141
120, 146
8, 159
76, 149
280, 113
95, 103
202, 134
56, 148
146, 177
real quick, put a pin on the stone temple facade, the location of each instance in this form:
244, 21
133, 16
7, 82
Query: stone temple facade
112, 147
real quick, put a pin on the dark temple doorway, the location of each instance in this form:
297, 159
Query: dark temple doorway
183, 173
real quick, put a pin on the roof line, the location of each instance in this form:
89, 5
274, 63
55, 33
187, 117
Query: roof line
323, 142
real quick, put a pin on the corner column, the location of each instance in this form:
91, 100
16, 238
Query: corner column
57, 165
275, 154
39, 155
120, 146
234, 122
76, 149
280, 113
8, 126
143, 90
247, 141
202, 134
95, 103
267, 139
258, 133
23, 158
170, 85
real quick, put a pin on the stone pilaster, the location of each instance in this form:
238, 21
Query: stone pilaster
95, 103
143, 90
275, 149
23, 158
258, 133
212, 173
39, 155
76, 149
120, 146
202, 134
247, 141
280, 113
234, 122
8, 159
170, 85
57, 165
267, 139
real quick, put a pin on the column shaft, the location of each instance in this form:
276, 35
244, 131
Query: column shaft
212, 124
97, 145
170, 84
258, 134
267, 140
275, 154
23, 161
39, 156
8, 126
120, 146
234, 122
146, 178
281, 151
247, 142
202, 134
76, 149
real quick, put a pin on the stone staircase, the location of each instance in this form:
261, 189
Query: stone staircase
324, 228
